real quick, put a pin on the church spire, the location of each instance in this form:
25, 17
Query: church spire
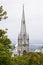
23, 39
23, 16
23, 26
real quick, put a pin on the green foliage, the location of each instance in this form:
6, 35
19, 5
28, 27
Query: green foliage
2, 32
4, 40
5, 43
5, 56
29, 59
2, 13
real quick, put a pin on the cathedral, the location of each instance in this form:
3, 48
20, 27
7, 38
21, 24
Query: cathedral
23, 38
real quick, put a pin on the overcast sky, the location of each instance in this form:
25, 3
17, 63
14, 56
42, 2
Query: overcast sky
33, 17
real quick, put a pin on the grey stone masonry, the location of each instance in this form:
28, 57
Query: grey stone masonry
23, 38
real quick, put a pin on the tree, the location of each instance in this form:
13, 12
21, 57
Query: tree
31, 58
5, 56
34, 58
2, 13
4, 40
5, 43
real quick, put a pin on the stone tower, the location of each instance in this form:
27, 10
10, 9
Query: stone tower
23, 38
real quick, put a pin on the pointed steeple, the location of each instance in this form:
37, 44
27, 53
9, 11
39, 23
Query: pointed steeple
23, 39
23, 26
23, 15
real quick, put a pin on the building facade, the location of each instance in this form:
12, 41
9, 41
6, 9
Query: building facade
23, 37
